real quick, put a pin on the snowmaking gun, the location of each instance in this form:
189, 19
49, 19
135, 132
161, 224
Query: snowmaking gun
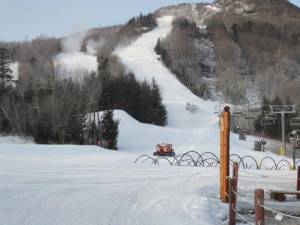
164, 150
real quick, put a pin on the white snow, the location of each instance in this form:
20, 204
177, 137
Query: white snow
15, 70
53, 185
86, 185
72, 63
14, 140
213, 7
75, 65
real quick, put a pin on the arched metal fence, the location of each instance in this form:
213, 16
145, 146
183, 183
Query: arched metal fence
209, 159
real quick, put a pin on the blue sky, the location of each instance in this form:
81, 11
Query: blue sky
22, 19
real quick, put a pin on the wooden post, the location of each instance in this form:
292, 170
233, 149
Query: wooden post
298, 182
259, 210
224, 154
222, 197
232, 200
235, 170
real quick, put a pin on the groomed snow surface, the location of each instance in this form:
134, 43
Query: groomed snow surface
87, 185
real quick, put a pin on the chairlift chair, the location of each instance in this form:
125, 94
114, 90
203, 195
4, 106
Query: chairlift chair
237, 110
295, 122
294, 137
237, 113
269, 120
218, 109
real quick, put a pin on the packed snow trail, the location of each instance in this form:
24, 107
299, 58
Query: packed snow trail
140, 58
185, 130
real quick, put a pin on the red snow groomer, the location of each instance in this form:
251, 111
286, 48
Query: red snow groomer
164, 150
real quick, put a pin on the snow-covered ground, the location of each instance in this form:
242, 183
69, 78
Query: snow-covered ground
15, 70
75, 65
14, 140
78, 185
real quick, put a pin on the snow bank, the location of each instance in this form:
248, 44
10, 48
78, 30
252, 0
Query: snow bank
213, 8
15, 140
15, 70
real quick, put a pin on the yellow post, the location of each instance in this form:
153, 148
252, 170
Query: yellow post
224, 153
281, 151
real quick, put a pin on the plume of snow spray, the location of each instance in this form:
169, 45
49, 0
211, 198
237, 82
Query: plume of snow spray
73, 42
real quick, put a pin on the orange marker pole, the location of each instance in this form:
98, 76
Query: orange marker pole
224, 154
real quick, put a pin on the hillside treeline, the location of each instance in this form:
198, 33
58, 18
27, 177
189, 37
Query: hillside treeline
263, 47
54, 110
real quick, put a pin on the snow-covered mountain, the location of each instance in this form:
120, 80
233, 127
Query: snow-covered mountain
236, 40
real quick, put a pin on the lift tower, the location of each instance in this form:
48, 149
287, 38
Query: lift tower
282, 110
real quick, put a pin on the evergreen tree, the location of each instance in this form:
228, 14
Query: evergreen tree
109, 130
75, 129
158, 48
140, 100
44, 129
144, 109
5, 71
159, 109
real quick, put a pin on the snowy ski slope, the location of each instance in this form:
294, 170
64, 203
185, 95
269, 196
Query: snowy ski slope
86, 185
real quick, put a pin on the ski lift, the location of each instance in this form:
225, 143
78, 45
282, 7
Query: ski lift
237, 113
269, 120
294, 137
237, 110
295, 122
249, 117
218, 108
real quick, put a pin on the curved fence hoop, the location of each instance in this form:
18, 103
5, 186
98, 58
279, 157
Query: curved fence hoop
252, 158
164, 158
265, 158
189, 155
284, 161
240, 159
209, 159
142, 156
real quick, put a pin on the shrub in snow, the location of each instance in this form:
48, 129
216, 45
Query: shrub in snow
109, 131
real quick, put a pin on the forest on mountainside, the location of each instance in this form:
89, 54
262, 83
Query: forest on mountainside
52, 108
